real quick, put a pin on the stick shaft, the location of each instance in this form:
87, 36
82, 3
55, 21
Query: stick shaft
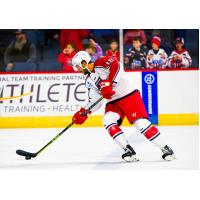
66, 128
55, 138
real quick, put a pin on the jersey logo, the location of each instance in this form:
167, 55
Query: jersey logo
134, 114
89, 84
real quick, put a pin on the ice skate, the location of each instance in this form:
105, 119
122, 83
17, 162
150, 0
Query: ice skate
168, 154
129, 155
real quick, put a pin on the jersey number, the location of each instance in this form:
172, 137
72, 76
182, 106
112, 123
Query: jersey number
110, 60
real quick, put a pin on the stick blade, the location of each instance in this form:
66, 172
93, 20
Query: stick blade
25, 153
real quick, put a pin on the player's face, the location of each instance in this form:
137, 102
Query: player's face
83, 69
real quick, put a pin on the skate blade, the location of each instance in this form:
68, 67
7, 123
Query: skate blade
170, 157
131, 159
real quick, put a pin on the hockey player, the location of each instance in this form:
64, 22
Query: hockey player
107, 78
180, 58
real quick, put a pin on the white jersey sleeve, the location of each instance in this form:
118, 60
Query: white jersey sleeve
94, 94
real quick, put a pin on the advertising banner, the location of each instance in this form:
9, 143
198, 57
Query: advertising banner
41, 94
150, 95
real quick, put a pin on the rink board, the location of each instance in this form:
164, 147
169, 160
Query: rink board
93, 121
50, 100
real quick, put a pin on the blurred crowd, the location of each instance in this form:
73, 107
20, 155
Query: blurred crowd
53, 50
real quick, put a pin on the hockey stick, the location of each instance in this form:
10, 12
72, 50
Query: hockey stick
29, 155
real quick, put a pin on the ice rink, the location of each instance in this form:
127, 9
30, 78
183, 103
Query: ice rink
92, 148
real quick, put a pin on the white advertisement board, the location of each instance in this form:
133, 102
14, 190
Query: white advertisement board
60, 94
55, 94
41, 94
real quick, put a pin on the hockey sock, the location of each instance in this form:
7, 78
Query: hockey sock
121, 141
117, 134
150, 132
153, 135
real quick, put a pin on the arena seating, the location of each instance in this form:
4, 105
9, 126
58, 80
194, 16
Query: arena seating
49, 66
24, 67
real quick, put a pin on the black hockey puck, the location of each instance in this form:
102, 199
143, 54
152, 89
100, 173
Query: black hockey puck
27, 157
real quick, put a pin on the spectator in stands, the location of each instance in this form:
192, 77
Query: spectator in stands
6, 35
19, 50
130, 34
113, 51
51, 36
73, 36
65, 58
167, 36
156, 57
126, 63
179, 58
94, 50
136, 55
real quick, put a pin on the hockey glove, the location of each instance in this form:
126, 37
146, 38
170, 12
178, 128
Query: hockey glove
106, 89
81, 116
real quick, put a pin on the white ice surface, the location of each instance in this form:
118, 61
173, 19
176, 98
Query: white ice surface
92, 148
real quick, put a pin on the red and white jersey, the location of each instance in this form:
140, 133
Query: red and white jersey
107, 68
184, 60
156, 59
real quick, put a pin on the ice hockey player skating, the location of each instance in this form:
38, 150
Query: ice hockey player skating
107, 78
